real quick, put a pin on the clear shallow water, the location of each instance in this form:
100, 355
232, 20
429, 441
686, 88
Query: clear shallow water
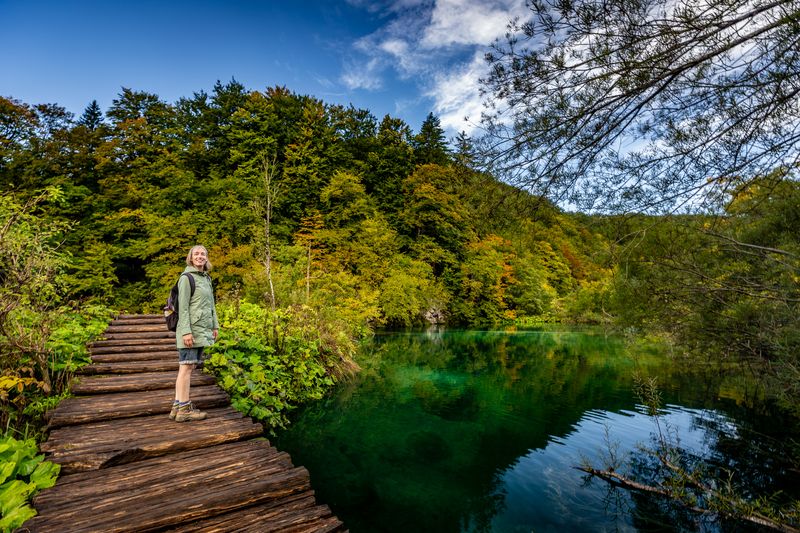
481, 431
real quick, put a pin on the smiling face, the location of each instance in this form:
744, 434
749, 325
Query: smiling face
199, 257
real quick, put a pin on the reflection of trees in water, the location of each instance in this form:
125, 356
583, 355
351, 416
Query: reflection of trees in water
485, 351
445, 419
424, 433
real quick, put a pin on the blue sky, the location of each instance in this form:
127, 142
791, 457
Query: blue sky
400, 57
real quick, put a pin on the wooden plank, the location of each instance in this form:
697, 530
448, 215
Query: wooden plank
139, 317
131, 367
88, 484
136, 328
105, 434
202, 497
295, 512
105, 384
105, 444
97, 408
118, 481
252, 517
135, 335
158, 320
132, 342
327, 524
181, 490
135, 356
156, 346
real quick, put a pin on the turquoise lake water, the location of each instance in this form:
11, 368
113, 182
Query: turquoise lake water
460, 431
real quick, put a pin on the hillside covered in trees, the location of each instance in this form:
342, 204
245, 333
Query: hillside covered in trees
365, 218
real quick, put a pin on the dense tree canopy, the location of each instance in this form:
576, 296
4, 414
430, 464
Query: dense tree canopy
646, 105
370, 221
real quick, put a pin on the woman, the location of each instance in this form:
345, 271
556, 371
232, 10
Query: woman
197, 328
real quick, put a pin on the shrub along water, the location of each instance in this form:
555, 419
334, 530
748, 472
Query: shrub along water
271, 362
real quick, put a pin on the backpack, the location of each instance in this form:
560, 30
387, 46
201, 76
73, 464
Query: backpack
171, 309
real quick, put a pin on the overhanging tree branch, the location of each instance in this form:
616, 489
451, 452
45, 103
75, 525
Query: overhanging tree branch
696, 92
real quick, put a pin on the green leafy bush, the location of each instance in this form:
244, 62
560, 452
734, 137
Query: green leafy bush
22, 474
24, 393
68, 340
271, 362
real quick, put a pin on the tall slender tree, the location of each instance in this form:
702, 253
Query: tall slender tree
92, 116
430, 144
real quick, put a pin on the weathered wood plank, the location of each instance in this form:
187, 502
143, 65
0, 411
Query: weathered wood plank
186, 490
135, 356
132, 342
141, 477
87, 484
327, 524
96, 408
140, 345
295, 512
105, 435
157, 320
131, 367
136, 328
104, 444
105, 384
250, 518
136, 335
139, 317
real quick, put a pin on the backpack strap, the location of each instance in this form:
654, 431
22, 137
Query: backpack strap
191, 282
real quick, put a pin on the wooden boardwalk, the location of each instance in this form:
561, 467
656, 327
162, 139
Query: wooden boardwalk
127, 467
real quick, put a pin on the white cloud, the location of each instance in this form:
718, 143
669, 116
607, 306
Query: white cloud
439, 45
396, 47
456, 95
470, 22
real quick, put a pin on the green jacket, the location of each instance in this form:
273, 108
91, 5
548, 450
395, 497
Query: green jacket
197, 313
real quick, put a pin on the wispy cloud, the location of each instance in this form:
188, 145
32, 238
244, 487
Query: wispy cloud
439, 45
363, 75
456, 95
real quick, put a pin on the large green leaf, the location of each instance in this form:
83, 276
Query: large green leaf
14, 494
27, 466
6, 469
14, 519
45, 475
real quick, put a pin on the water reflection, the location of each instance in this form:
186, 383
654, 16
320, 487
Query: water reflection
480, 431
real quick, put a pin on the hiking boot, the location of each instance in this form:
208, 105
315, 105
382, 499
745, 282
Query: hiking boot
174, 411
187, 413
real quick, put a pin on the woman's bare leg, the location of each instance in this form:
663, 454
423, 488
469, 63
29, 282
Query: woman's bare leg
182, 382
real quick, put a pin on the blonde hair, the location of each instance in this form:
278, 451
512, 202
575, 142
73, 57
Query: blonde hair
207, 266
